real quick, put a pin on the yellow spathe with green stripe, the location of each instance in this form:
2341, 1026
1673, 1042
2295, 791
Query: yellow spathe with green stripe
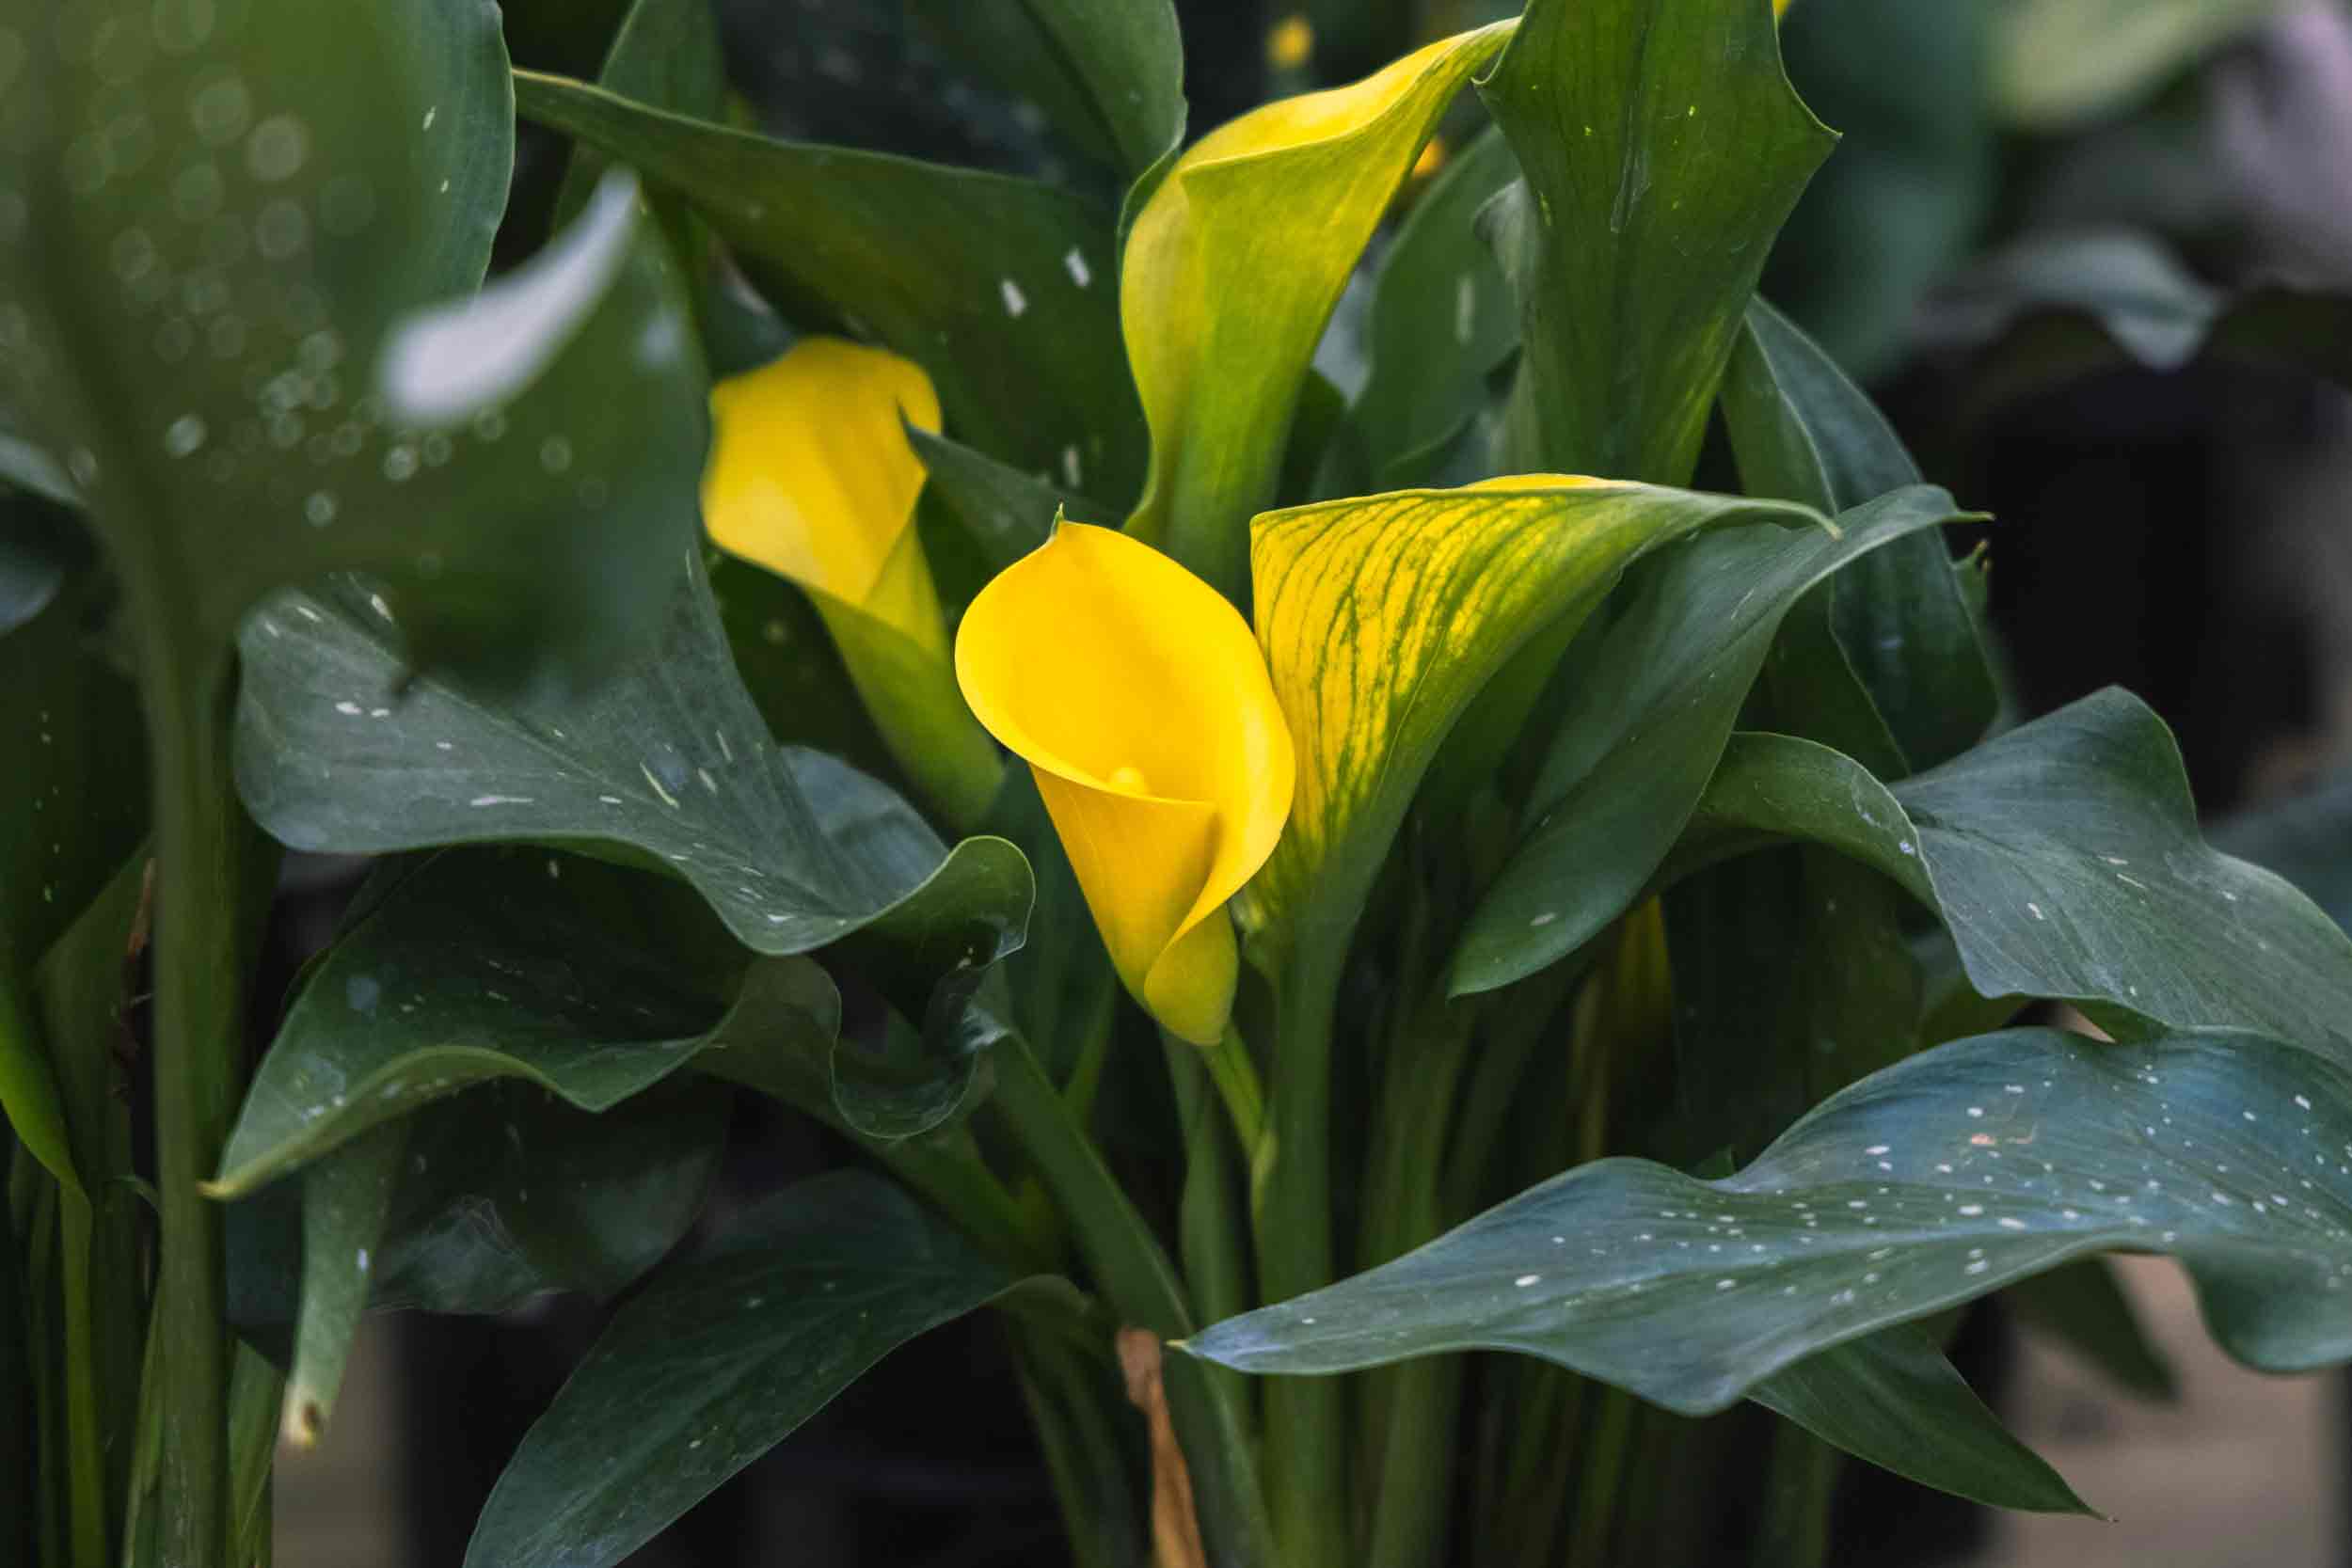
1234, 267
1382, 617
811, 476
1138, 698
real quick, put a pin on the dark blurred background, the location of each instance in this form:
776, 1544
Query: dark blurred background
2032, 247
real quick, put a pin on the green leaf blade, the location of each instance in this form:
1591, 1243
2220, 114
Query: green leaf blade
1962, 1169
1663, 149
721, 1359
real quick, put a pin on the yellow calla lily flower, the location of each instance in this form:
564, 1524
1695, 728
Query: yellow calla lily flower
1139, 699
812, 477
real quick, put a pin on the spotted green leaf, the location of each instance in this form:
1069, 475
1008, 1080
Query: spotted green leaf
2064, 856
342, 748
721, 1358
1382, 618
1001, 288
1966, 1167
1664, 148
1223, 291
1659, 687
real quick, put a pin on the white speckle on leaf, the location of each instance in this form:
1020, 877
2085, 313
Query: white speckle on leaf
1075, 265
1015, 301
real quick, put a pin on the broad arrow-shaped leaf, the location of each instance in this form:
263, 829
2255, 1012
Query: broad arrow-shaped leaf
1002, 289
2065, 859
719, 1360
589, 981
340, 747
1664, 148
1970, 1165
206, 262
1660, 686
1383, 617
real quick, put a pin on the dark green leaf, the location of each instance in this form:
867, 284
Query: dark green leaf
1659, 689
1442, 317
1901, 629
341, 748
1891, 1398
720, 1360
1951, 1175
346, 1202
1007, 512
665, 53
502, 1194
1109, 73
1664, 149
73, 803
203, 317
1003, 289
591, 981
2065, 859
1791, 981
2082, 1305
509, 1194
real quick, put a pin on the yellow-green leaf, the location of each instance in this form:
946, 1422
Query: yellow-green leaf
1382, 617
1230, 272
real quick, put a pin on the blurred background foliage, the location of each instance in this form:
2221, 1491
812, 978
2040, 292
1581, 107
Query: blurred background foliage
2095, 257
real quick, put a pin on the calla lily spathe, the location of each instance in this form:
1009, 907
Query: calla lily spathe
811, 476
1139, 699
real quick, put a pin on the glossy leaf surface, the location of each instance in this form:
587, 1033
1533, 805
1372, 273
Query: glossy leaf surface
1956, 1172
1223, 293
1383, 617
2065, 859
1001, 288
1664, 148
341, 748
1661, 688
720, 1360
1891, 1398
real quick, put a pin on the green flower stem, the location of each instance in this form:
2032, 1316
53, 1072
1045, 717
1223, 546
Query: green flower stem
16, 1398
1797, 1497
1413, 1407
1236, 1078
1210, 1231
1070, 1399
200, 907
42, 1334
86, 1451
1306, 1417
910, 693
1601, 1479
1132, 1273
